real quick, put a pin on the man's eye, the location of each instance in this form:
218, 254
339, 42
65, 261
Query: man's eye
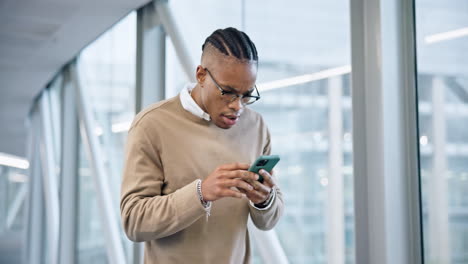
228, 92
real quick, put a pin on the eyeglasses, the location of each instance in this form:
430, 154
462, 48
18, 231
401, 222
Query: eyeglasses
230, 96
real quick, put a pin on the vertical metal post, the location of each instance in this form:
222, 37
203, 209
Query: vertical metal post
36, 203
151, 58
171, 29
335, 207
69, 171
49, 178
91, 143
385, 142
27, 207
151, 72
55, 115
439, 245
3, 196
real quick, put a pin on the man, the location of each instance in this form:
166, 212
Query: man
186, 190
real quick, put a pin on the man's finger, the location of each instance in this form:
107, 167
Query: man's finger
248, 176
243, 191
267, 178
232, 193
238, 183
235, 166
261, 187
242, 174
258, 196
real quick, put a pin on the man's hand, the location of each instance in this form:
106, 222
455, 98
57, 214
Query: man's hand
260, 192
220, 182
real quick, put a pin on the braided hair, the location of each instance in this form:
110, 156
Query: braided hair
232, 42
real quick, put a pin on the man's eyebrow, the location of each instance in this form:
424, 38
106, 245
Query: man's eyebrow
231, 89
249, 92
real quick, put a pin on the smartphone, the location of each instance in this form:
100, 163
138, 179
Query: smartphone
264, 162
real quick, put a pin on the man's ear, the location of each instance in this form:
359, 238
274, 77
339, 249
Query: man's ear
200, 75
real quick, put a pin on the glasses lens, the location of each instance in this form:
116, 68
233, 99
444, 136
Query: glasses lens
249, 100
229, 97
245, 100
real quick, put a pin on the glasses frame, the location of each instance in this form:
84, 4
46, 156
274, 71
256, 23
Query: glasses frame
234, 96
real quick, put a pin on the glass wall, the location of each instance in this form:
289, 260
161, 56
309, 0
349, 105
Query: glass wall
306, 103
107, 74
304, 81
304, 54
13, 189
442, 39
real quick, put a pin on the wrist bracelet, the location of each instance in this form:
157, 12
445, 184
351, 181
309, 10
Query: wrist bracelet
206, 205
200, 194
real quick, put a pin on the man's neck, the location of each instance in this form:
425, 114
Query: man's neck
195, 94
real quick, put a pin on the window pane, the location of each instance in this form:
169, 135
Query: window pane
442, 39
13, 189
310, 122
309, 116
13, 193
107, 74
91, 244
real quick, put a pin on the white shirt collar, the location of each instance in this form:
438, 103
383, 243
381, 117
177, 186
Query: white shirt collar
189, 104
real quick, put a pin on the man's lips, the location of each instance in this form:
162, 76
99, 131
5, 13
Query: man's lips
230, 119
232, 116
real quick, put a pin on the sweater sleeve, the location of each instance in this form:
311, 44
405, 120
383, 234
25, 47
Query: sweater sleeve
146, 213
266, 219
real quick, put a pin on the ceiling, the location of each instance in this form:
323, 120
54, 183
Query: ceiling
36, 39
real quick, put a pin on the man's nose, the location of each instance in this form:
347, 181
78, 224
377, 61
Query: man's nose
237, 104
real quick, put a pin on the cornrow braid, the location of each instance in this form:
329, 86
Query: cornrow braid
232, 42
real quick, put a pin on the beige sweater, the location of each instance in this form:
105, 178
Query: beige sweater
168, 149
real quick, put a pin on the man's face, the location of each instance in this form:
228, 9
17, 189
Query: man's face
231, 76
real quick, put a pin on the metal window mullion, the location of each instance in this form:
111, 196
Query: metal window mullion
335, 205
36, 203
27, 207
438, 214
151, 58
3, 196
49, 178
410, 130
69, 171
363, 245
55, 115
170, 27
386, 189
150, 73
91, 143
